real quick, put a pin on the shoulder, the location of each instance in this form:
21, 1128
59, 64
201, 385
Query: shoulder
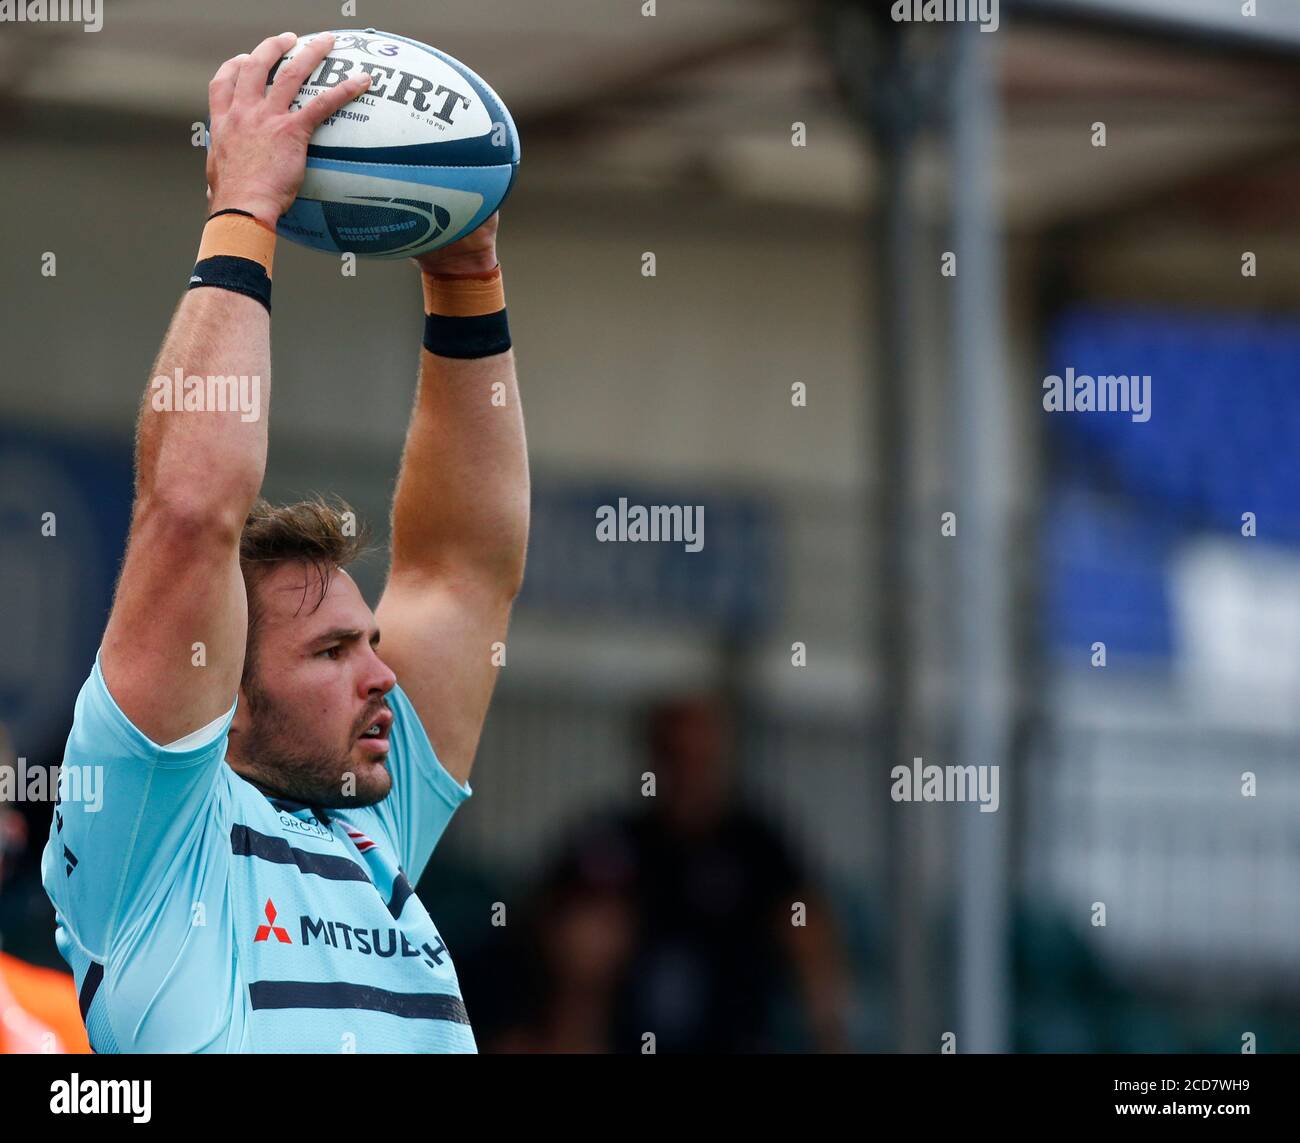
412, 749
100, 728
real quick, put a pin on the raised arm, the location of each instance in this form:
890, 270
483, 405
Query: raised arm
460, 514
198, 469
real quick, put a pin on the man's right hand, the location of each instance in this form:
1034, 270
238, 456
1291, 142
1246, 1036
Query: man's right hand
258, 151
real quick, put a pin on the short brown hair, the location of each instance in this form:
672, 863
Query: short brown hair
321, 534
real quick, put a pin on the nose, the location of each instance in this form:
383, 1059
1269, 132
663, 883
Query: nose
377, 679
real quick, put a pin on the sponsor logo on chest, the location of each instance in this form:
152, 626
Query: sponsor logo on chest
378, 942
304, 827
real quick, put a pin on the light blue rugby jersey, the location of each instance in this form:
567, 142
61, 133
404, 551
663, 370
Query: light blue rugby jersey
200, 915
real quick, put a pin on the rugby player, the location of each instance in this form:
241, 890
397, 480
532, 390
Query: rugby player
274, 776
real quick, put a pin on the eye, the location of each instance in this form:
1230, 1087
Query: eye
330, 652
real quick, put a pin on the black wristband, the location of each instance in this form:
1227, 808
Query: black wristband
240, 275
484, 335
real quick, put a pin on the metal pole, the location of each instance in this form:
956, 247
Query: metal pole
894, 87
904, 103
895, 242
981, 390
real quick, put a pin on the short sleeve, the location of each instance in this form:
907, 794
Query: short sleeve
132, 817
424, 796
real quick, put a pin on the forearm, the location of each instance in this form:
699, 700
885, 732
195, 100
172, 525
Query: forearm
206, 452
200, 455
201, 443
461, 510
461, 507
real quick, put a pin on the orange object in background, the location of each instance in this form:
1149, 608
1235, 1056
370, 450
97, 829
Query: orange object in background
35, 1002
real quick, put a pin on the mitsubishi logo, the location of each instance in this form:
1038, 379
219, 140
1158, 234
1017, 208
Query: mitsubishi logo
264, 931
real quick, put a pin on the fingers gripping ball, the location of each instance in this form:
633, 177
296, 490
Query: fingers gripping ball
419, 160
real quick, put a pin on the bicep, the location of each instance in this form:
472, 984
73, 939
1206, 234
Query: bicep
173, 651
442, 639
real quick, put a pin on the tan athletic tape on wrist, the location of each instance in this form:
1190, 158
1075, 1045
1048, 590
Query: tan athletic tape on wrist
464, 295
238, 236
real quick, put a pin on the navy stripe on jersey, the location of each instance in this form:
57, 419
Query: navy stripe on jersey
339, 994
89, 986
246, 842
402, 892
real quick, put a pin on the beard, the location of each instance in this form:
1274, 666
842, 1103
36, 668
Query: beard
279, 754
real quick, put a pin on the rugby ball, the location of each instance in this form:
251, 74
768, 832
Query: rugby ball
419, 160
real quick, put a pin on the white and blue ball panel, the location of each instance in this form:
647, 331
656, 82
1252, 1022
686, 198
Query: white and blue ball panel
420, 160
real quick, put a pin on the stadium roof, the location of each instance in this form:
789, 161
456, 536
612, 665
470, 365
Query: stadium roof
701, 97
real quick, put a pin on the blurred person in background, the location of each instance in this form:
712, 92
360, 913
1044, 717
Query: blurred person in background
716, 886
38, 1006
677, 919
579, 944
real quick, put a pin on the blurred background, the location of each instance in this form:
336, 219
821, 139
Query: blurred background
1111, 617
